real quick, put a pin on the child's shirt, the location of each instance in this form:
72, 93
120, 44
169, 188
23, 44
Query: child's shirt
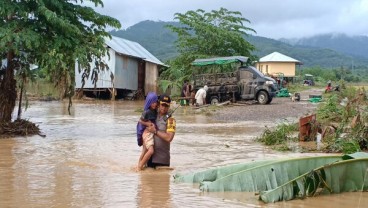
150, 115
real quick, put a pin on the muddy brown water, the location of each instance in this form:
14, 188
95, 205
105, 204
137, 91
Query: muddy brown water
87, 160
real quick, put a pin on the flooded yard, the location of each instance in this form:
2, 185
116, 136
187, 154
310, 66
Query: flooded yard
87, 159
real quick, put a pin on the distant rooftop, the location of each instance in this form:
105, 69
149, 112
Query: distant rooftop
278, 57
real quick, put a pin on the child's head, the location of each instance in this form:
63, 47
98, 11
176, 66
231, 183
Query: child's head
153, 106
151, 101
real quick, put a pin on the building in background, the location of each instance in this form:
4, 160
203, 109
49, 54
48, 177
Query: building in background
278, 66
132, 70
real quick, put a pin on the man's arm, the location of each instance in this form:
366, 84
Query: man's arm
169, 134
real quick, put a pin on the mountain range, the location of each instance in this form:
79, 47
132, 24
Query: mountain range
328, 50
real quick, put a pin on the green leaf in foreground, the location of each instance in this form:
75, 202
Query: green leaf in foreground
343, 176
267, 176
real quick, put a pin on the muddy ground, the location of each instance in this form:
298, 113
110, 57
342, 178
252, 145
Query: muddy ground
279, 109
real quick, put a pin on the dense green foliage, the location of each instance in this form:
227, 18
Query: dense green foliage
209, 34
205, 34
335, 74
52, 35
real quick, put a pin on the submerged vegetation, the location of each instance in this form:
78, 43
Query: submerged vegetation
342, 122
349, 123
279, 136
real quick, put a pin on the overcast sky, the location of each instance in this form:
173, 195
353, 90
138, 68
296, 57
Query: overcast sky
270, 18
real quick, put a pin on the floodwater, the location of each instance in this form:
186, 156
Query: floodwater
87, 159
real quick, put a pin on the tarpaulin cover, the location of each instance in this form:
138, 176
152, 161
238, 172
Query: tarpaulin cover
219, 60
283, 93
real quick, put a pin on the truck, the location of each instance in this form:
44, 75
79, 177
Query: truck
243, 84
308, 80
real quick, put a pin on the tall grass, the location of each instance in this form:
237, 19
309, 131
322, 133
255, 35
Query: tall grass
42, 88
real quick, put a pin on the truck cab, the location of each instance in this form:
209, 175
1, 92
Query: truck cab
245, 83
256, 86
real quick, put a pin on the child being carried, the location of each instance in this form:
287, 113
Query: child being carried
145, 137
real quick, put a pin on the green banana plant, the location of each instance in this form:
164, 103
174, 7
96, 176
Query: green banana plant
267, 176
286, 179
216, 173
343, 176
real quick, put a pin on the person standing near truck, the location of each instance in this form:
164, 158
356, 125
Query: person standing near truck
201, 96
185, 92
192, 95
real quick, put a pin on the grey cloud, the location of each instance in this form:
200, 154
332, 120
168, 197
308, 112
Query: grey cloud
270, 18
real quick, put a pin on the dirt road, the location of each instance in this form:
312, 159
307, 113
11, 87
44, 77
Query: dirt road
279, 109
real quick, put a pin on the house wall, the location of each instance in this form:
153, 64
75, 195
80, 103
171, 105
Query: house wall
126, 76
151, 78
104, 80
288, 68
125, 70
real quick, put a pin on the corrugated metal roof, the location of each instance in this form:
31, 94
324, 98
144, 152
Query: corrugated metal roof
131, 48
277, 57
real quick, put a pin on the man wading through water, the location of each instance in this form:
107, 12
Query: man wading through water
163, 134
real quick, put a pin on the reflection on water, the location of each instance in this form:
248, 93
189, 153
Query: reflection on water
153, 189
87, 160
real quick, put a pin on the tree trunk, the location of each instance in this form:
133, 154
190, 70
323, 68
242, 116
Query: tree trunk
8, 93
20, 100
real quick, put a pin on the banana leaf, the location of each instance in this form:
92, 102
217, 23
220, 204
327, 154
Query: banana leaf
266, 176
356, 155
216, 173
343, 176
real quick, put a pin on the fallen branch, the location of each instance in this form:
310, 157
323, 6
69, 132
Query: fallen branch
19, 127
223, 103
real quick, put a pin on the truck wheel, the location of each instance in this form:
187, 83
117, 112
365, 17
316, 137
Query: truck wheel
214, 100
262, 98
269, 101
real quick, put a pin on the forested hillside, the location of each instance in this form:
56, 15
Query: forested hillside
353, 45
160, 41
309, 56
154, 36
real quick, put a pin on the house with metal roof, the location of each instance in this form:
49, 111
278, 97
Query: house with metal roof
132, 69
277, 63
